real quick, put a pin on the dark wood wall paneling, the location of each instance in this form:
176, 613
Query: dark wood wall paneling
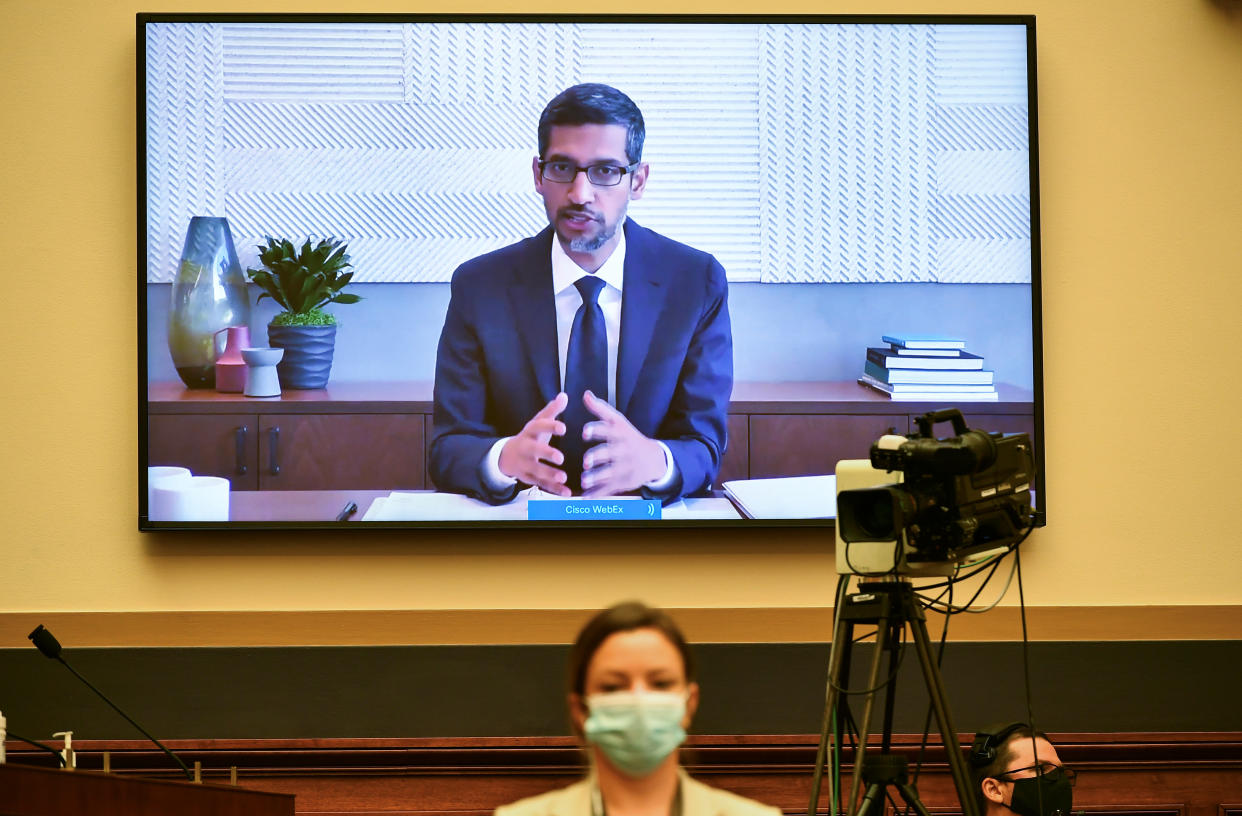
1169, 774
516, 690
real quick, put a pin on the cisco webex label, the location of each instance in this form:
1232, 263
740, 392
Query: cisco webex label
592, 509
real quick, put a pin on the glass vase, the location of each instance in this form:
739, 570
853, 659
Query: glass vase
208, 295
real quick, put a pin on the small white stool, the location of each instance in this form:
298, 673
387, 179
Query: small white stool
261, 378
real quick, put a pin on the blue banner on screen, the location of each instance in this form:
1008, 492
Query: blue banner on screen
592, 509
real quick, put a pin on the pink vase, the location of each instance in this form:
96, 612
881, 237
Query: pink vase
230, 367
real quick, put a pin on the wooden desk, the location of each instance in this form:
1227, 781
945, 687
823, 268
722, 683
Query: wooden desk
307, 505
27, 791
373, 435
298, 505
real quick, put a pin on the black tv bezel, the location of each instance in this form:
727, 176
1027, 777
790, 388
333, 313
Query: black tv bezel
1036, 285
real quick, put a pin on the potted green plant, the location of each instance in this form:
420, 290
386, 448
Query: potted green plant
303, 282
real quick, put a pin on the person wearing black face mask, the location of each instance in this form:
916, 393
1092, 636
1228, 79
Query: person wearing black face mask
1016, 770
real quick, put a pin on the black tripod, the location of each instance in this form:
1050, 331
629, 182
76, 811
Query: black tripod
890, 606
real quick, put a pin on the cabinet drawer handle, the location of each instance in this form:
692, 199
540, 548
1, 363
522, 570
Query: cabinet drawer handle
273, 450
240, 437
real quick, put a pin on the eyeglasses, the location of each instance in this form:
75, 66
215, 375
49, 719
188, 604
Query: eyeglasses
1045, 769
601, 175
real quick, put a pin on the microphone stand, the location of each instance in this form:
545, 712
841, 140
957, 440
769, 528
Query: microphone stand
50, 647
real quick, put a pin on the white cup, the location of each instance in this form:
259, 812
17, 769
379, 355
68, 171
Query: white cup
198, 498
163, 475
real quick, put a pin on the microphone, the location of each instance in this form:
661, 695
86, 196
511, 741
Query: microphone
47, 643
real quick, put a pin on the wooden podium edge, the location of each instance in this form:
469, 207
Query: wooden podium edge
424, 627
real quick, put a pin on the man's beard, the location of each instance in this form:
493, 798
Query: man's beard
590, 244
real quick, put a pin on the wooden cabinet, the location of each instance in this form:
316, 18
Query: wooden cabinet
351, 436
803, 429
208, 444
373, 436
736, 462
811, 444
1003, 422
341, 452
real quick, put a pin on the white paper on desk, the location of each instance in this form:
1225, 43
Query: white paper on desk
428, 506
700, 509
431, 506
441, 507
788, 497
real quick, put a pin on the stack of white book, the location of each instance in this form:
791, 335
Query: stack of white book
918, 368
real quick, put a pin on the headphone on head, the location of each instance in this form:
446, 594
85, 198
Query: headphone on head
988, 741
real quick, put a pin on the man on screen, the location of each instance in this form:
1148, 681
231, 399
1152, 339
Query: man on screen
596, 357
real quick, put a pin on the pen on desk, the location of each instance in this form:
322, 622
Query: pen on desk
347, 511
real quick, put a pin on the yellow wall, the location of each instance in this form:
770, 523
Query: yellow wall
1140, 124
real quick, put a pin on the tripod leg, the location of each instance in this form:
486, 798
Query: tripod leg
911, 797
890, 692
864, 726
841, 641
935, 690
873, 796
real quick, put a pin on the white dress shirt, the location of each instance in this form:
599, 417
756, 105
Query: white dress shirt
566, 272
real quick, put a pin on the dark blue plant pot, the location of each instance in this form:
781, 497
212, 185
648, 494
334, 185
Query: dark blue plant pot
308, 354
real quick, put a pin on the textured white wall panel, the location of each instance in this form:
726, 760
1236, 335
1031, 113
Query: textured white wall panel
184, 138
980, 65
350, 170
346, 62
980, 216
982, 172
979, 127
419, 260
381, 227
999, 260
435, 126
793, 153
396, 215
847, 166
702, 135
495, 65
981, 213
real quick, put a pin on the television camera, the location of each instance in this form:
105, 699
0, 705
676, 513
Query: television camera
922, 505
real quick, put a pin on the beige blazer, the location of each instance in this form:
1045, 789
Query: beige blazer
697, 799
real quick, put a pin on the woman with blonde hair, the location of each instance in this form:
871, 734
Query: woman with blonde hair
632, 694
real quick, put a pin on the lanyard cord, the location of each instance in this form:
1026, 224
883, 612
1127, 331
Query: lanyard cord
598, 809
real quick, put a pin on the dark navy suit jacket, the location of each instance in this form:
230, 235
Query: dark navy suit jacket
497, 363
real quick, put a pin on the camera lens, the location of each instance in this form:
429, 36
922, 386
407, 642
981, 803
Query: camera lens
869, 514
874, 515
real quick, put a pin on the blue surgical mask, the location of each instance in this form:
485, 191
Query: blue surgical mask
636, 730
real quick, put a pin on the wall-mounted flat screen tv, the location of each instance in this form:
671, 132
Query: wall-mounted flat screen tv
557, 270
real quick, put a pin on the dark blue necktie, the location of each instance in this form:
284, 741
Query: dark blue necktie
586, 366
